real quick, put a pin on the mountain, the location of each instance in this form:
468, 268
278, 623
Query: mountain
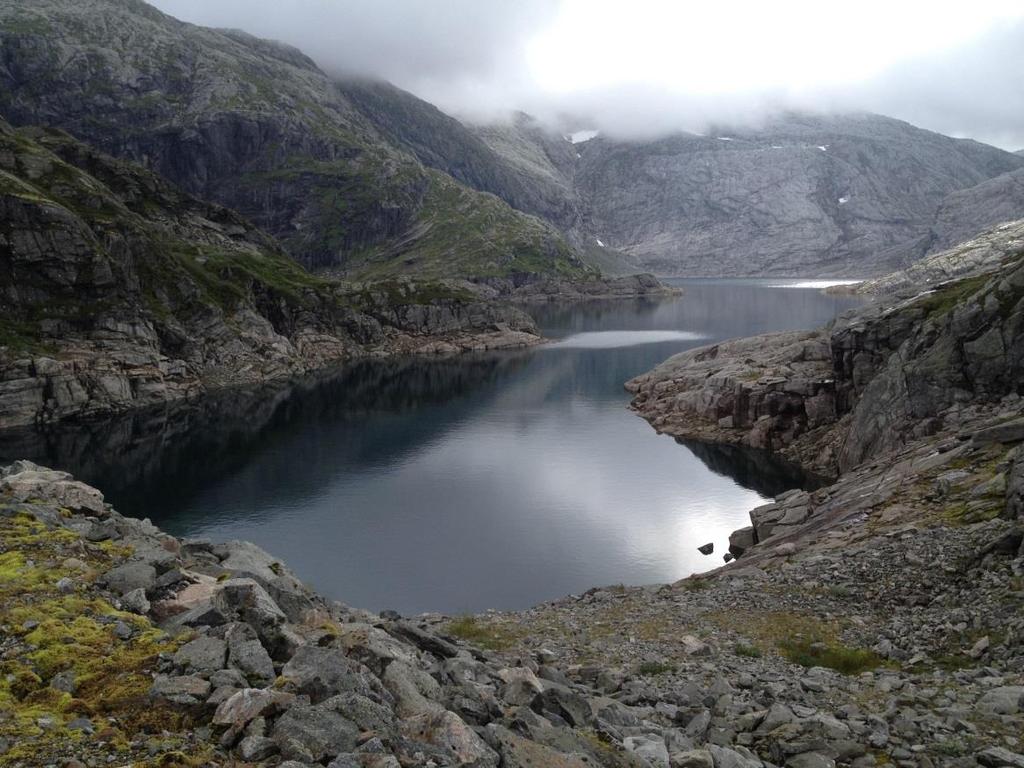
823, 195
254, 125
368, 181
118, 290
529, 166
966, 211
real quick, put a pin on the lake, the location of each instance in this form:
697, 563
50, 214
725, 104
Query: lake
495, 480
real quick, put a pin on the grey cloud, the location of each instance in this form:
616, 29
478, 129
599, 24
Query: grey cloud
468, 57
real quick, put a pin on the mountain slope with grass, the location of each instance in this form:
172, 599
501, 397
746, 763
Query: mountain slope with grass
118, 291
252, 125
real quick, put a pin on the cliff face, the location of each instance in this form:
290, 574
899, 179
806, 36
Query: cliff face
839, 195
878, 378
255, 126
120, 291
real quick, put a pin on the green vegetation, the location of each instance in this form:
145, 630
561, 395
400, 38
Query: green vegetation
819, 653
54, 632
750, 651
654, 668
476, 632
462, 232
944, 299
802, 639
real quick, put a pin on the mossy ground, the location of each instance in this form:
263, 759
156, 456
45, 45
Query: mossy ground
480, 633
45, 632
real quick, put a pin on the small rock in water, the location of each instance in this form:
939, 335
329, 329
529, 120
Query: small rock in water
707, 549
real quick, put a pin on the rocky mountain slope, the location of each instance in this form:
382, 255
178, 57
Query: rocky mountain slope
119, 291
256, 126
876, 379
965, 212
850, 195
981, 254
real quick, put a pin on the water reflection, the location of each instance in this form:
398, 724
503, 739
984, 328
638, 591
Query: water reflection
494, 480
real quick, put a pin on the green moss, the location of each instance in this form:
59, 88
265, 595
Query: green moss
60, 632
944, 299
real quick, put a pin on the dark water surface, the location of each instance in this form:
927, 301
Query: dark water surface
496, 480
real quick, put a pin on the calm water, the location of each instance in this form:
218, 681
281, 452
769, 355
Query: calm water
497, 480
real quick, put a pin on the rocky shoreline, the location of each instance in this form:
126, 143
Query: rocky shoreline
127, 370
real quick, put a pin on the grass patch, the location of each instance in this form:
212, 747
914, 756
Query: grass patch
476, 632
655, 668
749, 651
944, 299
849, 661
800, 638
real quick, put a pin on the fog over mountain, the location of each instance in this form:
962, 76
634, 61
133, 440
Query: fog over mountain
654, 67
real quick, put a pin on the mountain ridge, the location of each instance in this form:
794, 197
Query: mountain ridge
250, 124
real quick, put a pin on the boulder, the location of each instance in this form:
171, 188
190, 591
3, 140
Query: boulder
694, 758
414, 690
246, 601
130, 577
650, 748
517, 752
183, 690
373, 647
999, 757
741, 540
321, 673
311, 733
249, 703
448, 732
561, 702
24, 480
205, 654
1005, 700
247, 654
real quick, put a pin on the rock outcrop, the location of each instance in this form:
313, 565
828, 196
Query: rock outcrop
877, 378
979, 255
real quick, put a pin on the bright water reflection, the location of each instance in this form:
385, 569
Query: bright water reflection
455, 485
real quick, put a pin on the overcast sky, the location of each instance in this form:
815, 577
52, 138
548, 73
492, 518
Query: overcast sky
642, 67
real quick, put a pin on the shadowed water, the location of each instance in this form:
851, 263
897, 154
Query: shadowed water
460, 484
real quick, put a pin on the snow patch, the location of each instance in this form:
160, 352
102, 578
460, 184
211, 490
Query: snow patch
579, 137
725, 138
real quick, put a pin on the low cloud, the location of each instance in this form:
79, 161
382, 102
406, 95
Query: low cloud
471, 59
